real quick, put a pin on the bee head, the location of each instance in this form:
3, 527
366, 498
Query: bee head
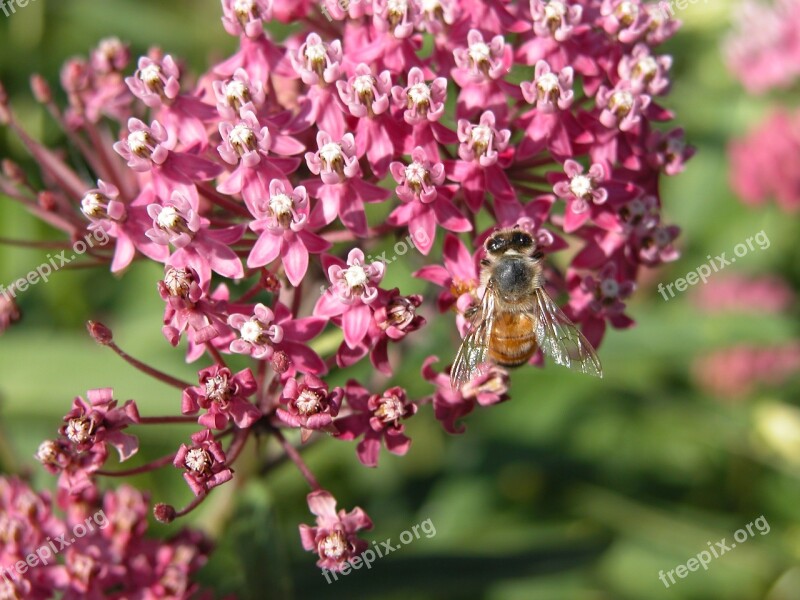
505, 240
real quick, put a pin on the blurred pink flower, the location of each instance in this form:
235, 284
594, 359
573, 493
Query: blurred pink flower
763, 50
735, 373
738, 293
764, 164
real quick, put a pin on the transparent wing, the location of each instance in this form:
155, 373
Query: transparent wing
560, 340
475, 347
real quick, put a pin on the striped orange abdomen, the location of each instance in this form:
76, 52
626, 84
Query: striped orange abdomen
513, 340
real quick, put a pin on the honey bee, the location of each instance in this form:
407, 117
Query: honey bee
516, 315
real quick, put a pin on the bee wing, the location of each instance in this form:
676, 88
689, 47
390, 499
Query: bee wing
559, 339
475, 347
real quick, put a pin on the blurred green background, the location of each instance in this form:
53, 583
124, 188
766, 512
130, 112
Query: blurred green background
573, 490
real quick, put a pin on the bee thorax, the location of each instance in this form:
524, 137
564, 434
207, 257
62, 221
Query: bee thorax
512, 277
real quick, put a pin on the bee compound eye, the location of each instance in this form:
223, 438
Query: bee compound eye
495, 244
520, 238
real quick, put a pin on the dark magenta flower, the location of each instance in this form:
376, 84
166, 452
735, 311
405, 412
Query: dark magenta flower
99, 421
190, 309
595, 301
203, 463
309, 405
224, 396
334, 536
377, 418
451, 405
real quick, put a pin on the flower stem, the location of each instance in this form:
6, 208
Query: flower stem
151, 466
295, 457
237, 445
212, 350
197, 501
163, 377
221, 201
165, 420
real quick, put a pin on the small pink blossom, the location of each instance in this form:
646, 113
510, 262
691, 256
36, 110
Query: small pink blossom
334, 536
197, 245
555, 18
621, 106
309, 405
421, 101
258, 333
281, 221
224, 396
549, 92
126, 224
203, 463
483, 141
155, 82
238, 95
246, 17
316, 61
481, 59
647, 73
100, 421
377, 418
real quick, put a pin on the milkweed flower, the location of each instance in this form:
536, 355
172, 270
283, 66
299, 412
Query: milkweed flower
265, 187
334, 536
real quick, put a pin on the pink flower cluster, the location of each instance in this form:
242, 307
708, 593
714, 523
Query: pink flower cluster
734, 373
98, 550
763, 49
763, 52
765, 164
735, 293
250, 185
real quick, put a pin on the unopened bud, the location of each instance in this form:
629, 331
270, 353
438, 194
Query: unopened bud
164, 513
280, 362
41, 89
101, 334
270, 282
47, 200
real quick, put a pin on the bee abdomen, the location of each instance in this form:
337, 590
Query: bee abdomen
513, 341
